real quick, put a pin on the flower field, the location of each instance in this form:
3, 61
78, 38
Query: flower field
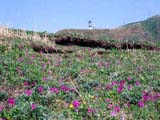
87, 84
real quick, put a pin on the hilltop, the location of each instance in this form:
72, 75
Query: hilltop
146, 30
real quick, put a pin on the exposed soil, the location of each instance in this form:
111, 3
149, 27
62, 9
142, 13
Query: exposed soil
67, 40
47, 49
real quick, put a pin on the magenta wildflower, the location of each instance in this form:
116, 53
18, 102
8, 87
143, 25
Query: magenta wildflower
20, 59
110, 106
44, 79
108, 86
156, 96
146, 97
141, 104
122, 82
64, 88
28, 92
89, 110
25, 83
137, 83
119, 89
130, 87
108, 100
114, 83
129, 78
40, 89
128, 104
11, 102
54, 89
33, 106
113, 114
1, 108
117, 109
76, 103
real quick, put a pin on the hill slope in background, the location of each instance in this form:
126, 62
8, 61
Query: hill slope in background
147, 30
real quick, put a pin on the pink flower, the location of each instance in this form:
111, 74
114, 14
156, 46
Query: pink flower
128, 105
28, 92
110, 106
114, 83
40, 89
117, 109
141, 104
156, 96
130, 87
122, 82
108, 100
90, 110
1, 108
129, 78
20, 59
119, 89
34, 83
64, 88
44, 79
54, 89
137, 83
108, 86
76, 103
146, 97
11, 101
25, 83
33, 106
113, 114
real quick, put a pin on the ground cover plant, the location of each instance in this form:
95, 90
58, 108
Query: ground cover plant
87, 84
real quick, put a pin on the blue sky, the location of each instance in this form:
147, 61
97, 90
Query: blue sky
53, 15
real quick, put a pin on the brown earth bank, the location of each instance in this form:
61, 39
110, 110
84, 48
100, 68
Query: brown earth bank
67, 40
48, 49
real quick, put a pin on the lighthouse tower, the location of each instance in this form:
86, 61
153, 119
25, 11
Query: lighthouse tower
90, 25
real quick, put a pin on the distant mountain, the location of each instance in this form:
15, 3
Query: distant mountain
147, 30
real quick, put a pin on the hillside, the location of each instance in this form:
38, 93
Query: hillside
87, 79
147, 30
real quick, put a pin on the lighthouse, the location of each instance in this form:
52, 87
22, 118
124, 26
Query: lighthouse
90, 25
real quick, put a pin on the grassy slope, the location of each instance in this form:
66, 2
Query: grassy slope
87, 74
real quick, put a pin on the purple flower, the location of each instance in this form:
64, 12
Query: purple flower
137, 83
129, 78
108, 100
54, 89
119, 89
44, 79
110, 106
146, 97
108, 86
130, 87
117, 108
40, 89
1, 108
76, 103
122, 82
25, 83
113, 114
20, 59
114, 83
11, 101
141, 104
33, 106
89, 110
64, 88
28, 92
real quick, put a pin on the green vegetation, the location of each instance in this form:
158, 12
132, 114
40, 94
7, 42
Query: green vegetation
119, 84
153, 26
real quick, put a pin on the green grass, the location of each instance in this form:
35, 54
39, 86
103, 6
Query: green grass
79, 76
